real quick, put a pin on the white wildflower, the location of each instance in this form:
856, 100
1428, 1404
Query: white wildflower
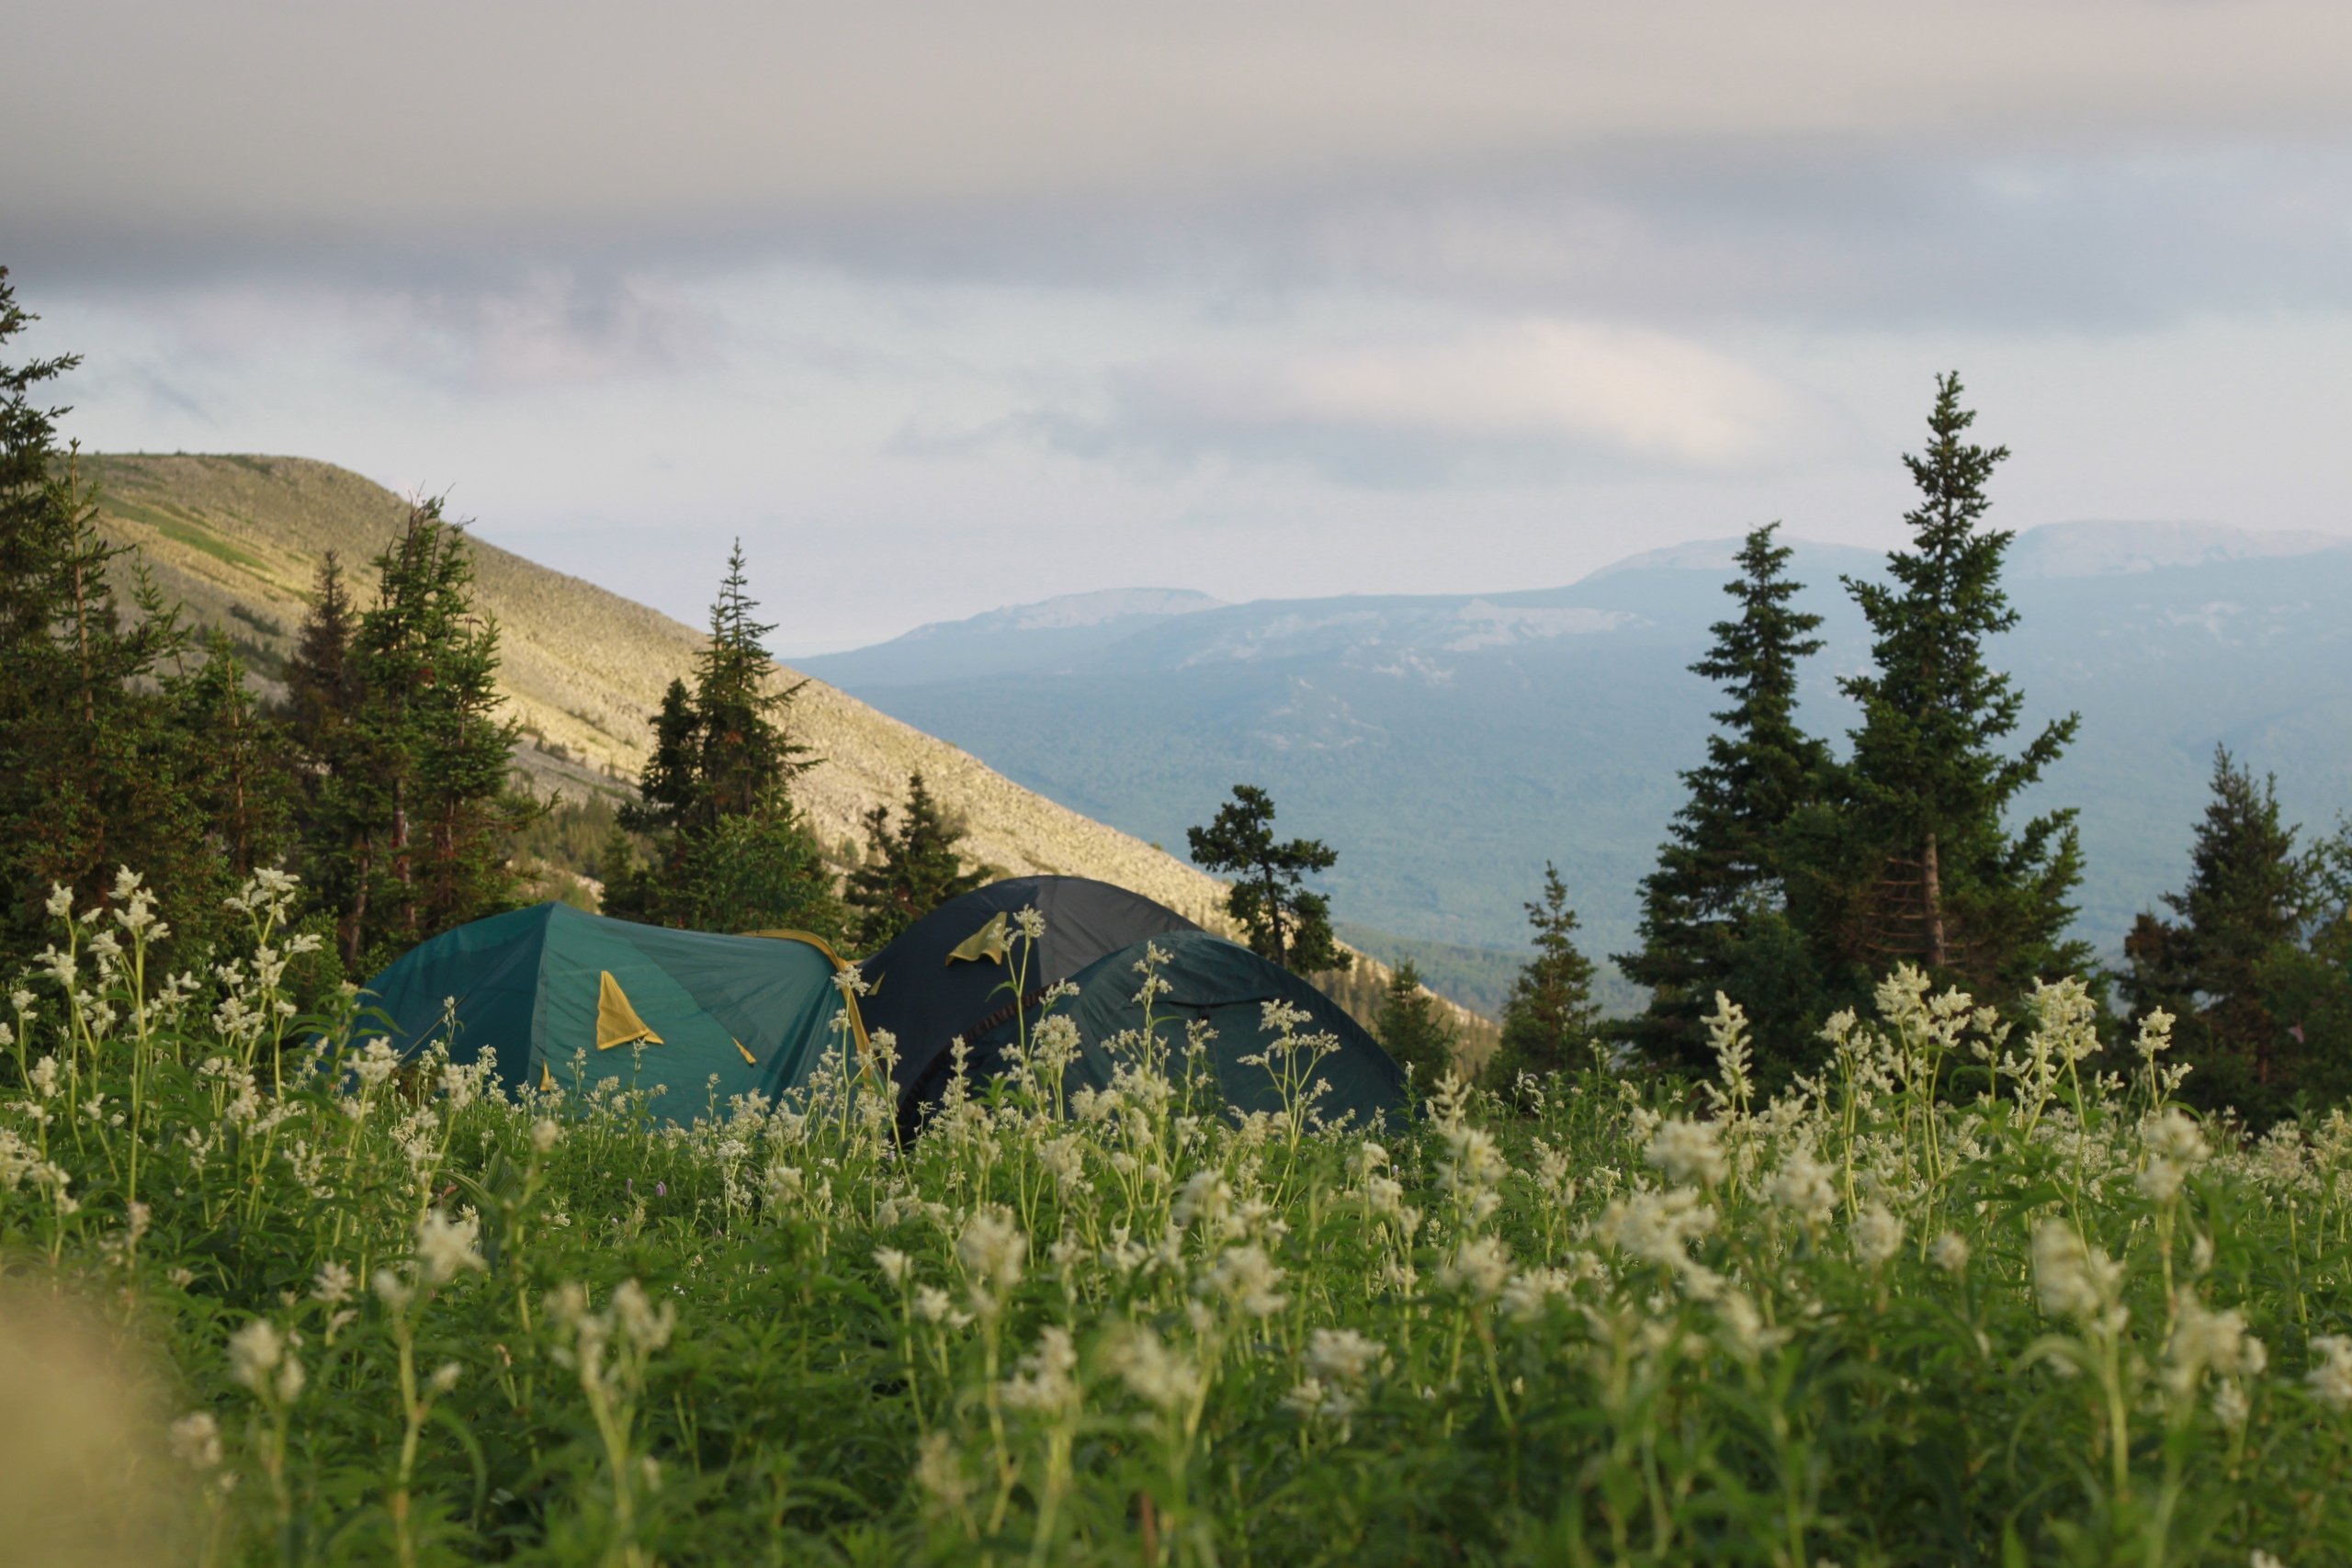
939, 1470
2071, 1279
1154, 1373
1247, 1278
254, 1352
446, 1247
1047, 1383
1687, 1151
992, 1250
2331, 1380
195, 1440
1877, 1236
1480, 1268
1802, 1185
333, 1284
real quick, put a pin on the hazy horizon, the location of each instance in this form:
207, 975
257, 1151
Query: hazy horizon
948, 311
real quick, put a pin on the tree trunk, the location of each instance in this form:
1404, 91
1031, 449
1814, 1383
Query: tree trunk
355, 921
1931, 880
402, 867
1275, 914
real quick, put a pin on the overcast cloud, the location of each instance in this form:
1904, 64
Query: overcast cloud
947, 306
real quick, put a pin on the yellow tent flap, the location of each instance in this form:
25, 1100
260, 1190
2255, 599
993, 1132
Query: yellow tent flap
990, 942
616, 1021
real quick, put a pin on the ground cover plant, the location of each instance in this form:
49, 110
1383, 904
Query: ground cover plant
1977, 1294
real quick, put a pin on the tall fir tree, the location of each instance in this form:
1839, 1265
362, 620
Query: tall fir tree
1550, 1019
322, 711
91, 757
1412, 1030
713, 807
1913, 862
237, 765
320, 694
909, 870
410, 799
1714, 912
1285, 921
2248, 897
749, 756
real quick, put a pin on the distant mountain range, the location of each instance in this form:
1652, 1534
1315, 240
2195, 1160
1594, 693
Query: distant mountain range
1448, 745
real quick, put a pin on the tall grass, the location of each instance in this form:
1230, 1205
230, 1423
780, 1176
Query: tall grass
1966, 1299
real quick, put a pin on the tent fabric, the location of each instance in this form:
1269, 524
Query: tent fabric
946, 976
616, 1021
559, 998
1226, 986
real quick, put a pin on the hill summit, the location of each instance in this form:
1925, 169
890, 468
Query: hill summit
239, 540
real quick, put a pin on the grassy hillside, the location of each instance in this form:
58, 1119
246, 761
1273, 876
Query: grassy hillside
239, 541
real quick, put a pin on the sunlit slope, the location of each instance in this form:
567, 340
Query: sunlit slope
239, 540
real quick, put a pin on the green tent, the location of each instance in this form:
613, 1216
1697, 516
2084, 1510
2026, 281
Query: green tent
562, 998
1226, 986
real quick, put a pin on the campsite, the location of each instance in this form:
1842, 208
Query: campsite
1488, 784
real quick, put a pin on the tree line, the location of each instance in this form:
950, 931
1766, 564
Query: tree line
1793, 878
384, 776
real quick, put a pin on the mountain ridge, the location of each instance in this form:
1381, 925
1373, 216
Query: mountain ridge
237, 541
1449, 744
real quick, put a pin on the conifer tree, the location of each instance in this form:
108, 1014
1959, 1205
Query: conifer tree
2248, 896
1411, 1028
908, 871
1550, 1019
320, 694
1713, 911
714, 800
90, 762
321, 712
1915, 862
749, 757
236, 765
1284, 922
411, 802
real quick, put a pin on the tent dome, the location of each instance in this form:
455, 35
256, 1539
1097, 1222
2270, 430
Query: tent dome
556, 996
1225, 986
946, 975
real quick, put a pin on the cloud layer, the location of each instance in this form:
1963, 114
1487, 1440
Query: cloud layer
1472, 295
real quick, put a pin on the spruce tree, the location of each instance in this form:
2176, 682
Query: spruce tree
412, 801
90, 760
335, 821
2248, 896
1915, 863
1713, 912
1550, 1019
1411, 1028
1283, 920
908, 871
320, 694
729, 850
749, 757
236, 765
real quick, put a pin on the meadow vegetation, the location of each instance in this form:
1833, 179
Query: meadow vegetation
1974, 1294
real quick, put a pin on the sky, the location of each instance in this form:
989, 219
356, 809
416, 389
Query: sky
943, 307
